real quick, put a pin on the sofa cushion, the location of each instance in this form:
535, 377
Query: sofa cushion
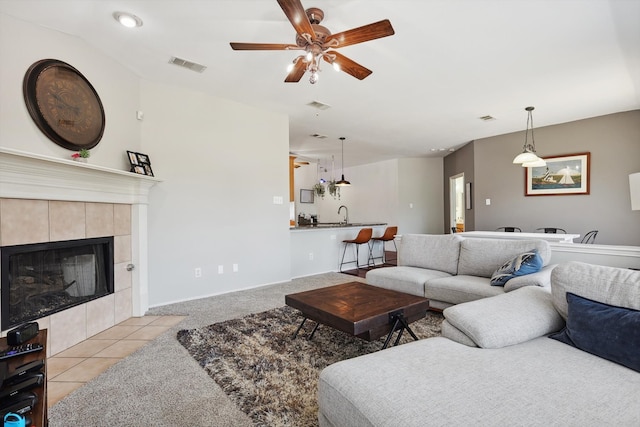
481, 257
520, 265
435, 252
506, 319
610, 332
438, 382
410, 280
614, 286
459, 289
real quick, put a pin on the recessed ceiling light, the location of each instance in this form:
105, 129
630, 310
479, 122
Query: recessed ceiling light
129, 20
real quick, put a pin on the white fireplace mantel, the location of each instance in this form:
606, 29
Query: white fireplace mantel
37, 177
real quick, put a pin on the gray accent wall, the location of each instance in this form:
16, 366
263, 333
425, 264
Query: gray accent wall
614, 143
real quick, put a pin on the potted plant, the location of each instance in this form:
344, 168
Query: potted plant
81, 156
319, 190
334, 190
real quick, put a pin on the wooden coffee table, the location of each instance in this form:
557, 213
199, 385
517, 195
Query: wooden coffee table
362, 310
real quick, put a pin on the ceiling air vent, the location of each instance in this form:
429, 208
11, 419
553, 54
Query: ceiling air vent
187, 64
487, 118
319, 105
318, 136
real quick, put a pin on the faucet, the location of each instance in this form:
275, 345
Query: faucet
346, 217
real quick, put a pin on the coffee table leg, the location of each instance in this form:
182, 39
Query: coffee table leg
315, 328
399, 324
299, 327
393, 329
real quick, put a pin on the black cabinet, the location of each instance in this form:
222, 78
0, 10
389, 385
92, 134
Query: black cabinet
25, 377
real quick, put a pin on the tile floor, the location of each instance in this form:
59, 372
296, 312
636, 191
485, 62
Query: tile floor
72, 368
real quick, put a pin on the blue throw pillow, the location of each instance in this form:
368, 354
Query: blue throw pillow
526, 263
610, 332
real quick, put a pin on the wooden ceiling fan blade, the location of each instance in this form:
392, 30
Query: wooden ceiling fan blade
347, 65
361, 34
297, 16
299, 67
262, 46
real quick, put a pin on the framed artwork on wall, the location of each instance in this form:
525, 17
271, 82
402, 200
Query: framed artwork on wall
306, 196
563, 175
140, 163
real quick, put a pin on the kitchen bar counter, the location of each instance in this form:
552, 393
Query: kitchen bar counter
326, 225
318, 249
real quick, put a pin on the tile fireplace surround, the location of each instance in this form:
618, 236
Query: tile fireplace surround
44, 199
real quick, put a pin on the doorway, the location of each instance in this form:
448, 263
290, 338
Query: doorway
456, 200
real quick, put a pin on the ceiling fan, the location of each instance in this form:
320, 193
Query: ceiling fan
318, 42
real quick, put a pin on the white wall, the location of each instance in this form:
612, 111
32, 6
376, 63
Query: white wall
403, 192
420, 195
222, 163
22, 44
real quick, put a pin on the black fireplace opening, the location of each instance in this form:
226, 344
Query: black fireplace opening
40, 279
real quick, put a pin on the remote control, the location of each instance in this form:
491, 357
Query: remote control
19, 350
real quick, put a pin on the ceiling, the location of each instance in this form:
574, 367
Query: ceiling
449, 63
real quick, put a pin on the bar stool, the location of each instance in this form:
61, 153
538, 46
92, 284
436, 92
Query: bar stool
363, 238
389, 235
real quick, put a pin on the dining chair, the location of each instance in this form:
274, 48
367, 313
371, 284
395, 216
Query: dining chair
590, 237
509, 229
552, 230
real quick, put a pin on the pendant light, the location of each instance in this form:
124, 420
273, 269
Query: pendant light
528, 157
343, 182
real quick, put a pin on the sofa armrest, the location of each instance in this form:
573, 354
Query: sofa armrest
506, 319
540, 278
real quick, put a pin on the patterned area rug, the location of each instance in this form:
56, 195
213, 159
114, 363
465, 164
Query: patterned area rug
272, 377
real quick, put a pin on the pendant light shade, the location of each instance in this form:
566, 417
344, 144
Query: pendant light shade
343, 182
528, 157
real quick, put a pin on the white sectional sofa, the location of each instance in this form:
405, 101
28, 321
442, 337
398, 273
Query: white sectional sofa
449, 269
506, 371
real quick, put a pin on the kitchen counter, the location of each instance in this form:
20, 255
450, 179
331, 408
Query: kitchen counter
326, 225
318, 248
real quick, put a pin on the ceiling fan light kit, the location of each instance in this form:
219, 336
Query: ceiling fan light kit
316, 40
528, 157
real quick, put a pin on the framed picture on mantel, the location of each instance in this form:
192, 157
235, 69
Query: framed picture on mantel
562, 176
140, 163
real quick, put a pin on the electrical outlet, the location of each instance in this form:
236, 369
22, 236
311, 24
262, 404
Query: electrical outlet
235, 268
310, 256
198, 272
220, 269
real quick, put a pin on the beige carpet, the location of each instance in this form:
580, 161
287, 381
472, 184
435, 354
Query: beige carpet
161, 385
271, 376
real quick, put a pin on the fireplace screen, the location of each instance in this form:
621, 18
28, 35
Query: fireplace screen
45, 278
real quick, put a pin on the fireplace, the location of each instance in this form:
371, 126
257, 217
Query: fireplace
40, 279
